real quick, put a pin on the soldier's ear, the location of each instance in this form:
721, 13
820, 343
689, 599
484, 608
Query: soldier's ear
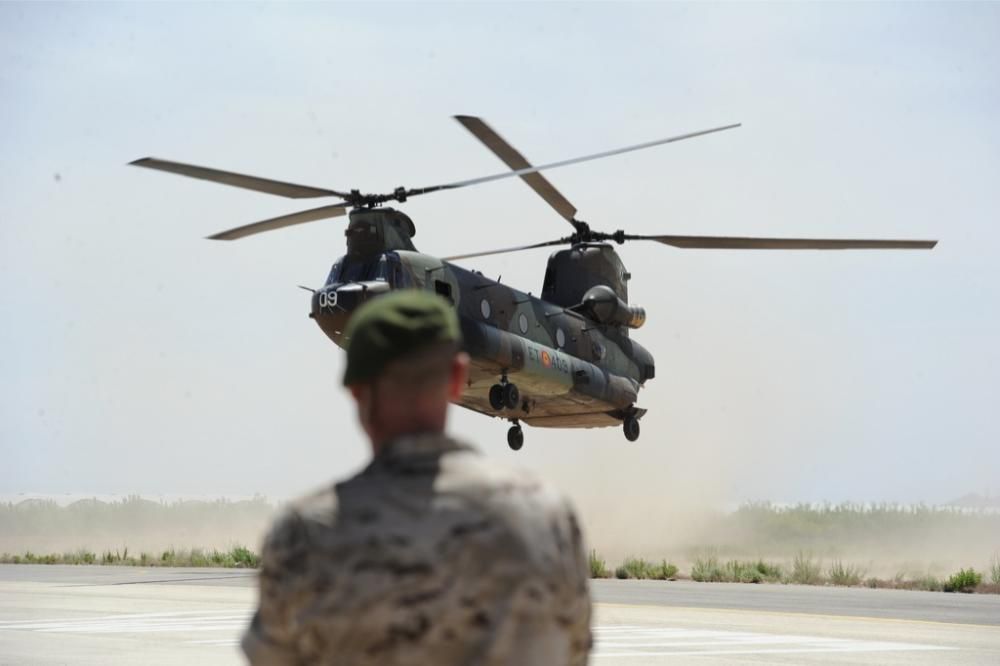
459, 375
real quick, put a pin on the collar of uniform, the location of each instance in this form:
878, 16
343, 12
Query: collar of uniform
419, 445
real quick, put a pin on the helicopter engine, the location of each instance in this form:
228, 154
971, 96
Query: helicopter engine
572, 272
591, 278
604, 306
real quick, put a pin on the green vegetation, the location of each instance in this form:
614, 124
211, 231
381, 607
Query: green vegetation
237, 557
770, 533
927, 583
709, 570
635, 567
848, 575
923, 582
760, 571
665, 571
806, 570
598, 567
965, 580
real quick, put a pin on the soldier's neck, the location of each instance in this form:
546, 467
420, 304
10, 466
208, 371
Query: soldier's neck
384, 430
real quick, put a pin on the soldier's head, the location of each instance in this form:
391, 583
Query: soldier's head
404, 363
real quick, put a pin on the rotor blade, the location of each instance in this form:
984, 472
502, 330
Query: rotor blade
516, 161
509, 249
301, 217
749, 243
575, 160
290, 190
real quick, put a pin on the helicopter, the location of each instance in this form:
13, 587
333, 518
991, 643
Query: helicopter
563, 359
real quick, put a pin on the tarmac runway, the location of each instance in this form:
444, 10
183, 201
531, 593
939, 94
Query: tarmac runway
120, 615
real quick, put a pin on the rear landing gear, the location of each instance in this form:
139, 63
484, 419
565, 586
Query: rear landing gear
631, 428
515, 437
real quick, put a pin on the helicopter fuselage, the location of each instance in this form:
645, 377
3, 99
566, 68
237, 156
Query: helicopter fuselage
569, 350
571, 371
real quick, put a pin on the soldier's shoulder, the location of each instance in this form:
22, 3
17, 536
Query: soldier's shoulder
294, 523
513, 493
467, 470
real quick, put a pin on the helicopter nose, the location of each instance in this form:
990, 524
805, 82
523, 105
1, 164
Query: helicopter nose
332, 306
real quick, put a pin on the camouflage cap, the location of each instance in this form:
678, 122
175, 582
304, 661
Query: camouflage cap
393, 326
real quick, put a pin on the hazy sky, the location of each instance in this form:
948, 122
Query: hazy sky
139, 357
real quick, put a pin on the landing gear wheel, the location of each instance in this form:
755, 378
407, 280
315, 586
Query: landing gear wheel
511, 396
496, 397
631, 428
515, 438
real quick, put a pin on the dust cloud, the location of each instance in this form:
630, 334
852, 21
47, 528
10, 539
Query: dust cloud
656, 503
108, 525
644, 501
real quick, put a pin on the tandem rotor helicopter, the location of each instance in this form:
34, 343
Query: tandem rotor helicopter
564, 359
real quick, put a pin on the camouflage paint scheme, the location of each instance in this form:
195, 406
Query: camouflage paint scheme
591, 379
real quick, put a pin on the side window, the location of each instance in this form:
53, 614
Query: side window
334, 274
381, 270
398, 276
444, 289
549, 283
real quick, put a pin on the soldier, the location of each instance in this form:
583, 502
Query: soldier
431, 555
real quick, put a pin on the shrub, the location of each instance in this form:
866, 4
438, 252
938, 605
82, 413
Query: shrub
79, 557
926, 582
707, 570
244, 557
663, 571
741, 572
598, 567
995, 569
770, 571
845, 574
738, 571
965, 580
805, 570
634, 567
198, 558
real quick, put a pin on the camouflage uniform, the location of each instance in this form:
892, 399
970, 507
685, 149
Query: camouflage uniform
429, 556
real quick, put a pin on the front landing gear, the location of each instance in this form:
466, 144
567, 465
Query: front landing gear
504, 395
515, 437
631, 427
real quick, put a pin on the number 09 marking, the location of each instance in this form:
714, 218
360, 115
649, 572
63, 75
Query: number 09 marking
327, 299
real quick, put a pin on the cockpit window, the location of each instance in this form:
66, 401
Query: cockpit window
385, 268
334, 273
